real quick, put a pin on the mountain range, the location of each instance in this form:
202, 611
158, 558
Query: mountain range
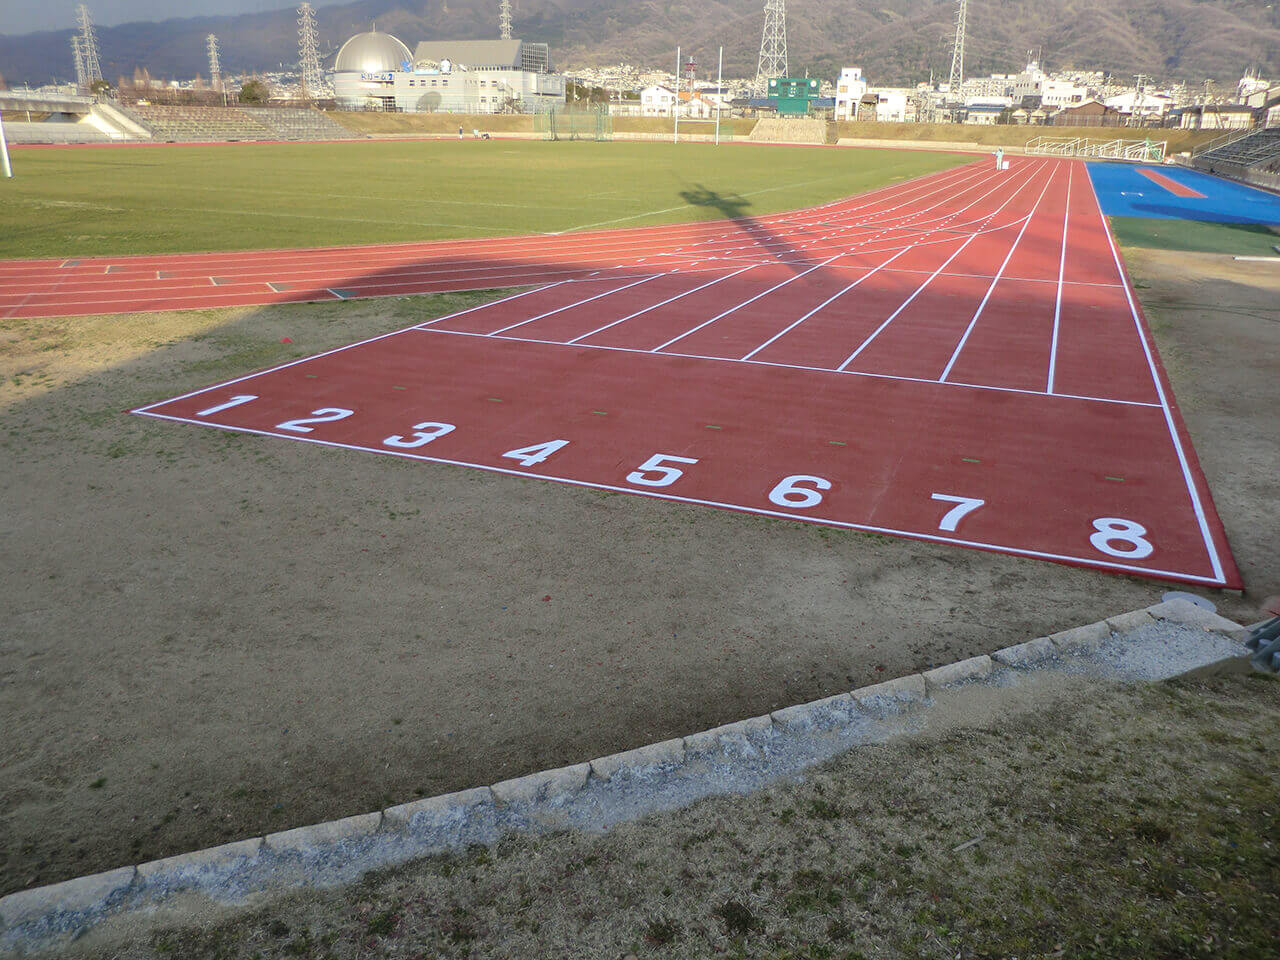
894, 41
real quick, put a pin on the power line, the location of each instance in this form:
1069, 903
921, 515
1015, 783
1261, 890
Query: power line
81, 83
773, 43
957, 51
215, 63
308, 50
88, 46
504, 19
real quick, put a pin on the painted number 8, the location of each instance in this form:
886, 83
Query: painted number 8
1121, 538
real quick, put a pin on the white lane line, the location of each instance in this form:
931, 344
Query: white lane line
995, 281
825, 303
826, 521
920, 289
1197, 506
800, 366
1062, 273
874, 271
655, 306
848, 251
570, 306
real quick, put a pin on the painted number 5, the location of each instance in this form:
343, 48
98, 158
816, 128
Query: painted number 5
656, 464
789, 493
963, 507
1117, 537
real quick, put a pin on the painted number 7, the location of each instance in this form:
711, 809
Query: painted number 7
963, 507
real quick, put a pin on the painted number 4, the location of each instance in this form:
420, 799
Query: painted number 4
963, 507
534, 455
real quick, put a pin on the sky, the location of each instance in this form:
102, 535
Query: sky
26, 16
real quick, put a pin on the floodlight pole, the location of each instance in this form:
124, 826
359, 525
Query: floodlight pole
4, 153
719, 92
675, 107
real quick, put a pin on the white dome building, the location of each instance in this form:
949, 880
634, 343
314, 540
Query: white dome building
372, 52
365, 69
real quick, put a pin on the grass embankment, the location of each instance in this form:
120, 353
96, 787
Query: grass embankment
67, 203
436, 124
1009, 135
1114, 823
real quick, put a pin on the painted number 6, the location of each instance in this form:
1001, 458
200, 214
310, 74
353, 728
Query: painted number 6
1113, 531
789, 493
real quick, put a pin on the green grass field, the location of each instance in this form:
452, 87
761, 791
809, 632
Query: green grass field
1239, 239
65, 203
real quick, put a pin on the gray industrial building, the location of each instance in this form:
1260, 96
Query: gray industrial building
376, 71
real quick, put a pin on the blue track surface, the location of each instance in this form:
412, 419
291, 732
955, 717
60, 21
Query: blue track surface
1124, 192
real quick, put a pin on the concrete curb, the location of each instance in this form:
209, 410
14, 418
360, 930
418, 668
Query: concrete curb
1157, 643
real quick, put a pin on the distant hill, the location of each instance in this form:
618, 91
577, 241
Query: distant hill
894, 41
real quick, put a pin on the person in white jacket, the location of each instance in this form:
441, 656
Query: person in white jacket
999, 158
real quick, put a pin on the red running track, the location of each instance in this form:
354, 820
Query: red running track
957, 358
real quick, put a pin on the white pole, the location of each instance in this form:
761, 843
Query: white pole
4, 153
675, 109
719, 93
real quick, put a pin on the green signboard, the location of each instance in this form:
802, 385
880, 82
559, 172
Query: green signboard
793, 95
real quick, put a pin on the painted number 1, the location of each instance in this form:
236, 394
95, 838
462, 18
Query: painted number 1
963, 507
233, 402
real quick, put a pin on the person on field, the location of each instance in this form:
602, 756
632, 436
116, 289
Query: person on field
999, 158
459, 131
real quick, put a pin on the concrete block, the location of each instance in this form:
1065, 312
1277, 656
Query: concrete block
1188, 614
1026, 655
806, 716
322, 835
668, 753
80, 895
1081, 639
558, 784
735, 736
1129, 622
954, 674
908, 688
221, 859
432, 810
892, 694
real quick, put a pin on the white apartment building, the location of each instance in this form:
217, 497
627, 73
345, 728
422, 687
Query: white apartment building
657, 101
850, 89
1034, 82
895, 104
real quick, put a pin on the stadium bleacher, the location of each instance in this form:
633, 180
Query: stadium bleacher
1258, 151
196, 124
53, 132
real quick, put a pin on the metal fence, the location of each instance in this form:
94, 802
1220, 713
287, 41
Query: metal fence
1139, 151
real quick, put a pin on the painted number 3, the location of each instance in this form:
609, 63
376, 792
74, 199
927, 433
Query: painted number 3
1117, 537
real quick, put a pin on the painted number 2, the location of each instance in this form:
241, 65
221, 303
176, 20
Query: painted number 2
1117, 537
323, 415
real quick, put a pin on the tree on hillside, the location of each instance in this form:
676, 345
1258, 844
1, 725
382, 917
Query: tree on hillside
255, 91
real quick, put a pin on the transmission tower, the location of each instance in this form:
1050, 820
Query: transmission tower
308, 50
215, 63
957, 54
773, 43
81, 83
88, 46
504, 19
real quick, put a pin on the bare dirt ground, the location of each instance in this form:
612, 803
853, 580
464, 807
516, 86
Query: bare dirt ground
1076, 820
208, 635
